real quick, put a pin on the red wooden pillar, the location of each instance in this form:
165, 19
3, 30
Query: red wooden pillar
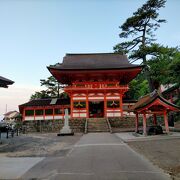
154, 119
34, 113
136, 122
71, 105
105, 105
63, 112
53, 114
23, 116
144, 124
87, 106
43, 113
121, 105
166, 122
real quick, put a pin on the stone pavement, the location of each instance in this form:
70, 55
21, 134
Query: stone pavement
14, 168
131, 136
97, 156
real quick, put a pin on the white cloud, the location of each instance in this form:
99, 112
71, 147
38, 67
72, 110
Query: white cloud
15, 95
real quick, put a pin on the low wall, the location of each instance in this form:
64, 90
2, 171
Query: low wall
122, 122
77, 125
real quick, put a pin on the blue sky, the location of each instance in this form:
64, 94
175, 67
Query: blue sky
37, 33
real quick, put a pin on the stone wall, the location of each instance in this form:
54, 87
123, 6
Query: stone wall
77, 125
122, 122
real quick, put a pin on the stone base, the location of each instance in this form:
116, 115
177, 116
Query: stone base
66, 134
66, 131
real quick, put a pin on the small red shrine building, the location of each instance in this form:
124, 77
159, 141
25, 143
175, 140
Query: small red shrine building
95, 83
153, 104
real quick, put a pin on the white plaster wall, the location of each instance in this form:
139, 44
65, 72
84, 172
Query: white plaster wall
79, 98
29, 118
39, 118
96, 98
48, 117
58, 117
79, 114
83, 115
113, 114
113, 97
75, 114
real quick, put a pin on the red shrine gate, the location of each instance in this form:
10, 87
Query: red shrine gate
96, 99
96, 83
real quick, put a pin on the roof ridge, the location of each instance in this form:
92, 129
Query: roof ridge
74, 54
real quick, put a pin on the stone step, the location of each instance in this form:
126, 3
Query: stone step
97, 125
104, 126
92, 131
95, 120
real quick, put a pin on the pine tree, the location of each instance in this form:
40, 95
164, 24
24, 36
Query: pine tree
139, 29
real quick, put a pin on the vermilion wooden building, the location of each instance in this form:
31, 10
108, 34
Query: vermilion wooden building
44, 109
96, 83
153, 104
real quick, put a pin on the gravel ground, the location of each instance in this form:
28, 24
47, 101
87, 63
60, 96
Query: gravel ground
163, 153
37, 145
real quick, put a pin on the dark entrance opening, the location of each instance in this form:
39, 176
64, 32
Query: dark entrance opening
96, 109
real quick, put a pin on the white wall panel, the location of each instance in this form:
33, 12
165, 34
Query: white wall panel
83, 115
29, 118
48, 117
113, 97
39, 118
113, 114
79, 98
96, 98
58, 117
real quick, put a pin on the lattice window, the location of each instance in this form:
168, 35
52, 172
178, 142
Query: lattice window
29, 113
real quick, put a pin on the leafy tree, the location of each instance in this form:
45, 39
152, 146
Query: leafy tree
39, 95
139, 29
138, 87
164, 69
160, 66
53, 88
174, 69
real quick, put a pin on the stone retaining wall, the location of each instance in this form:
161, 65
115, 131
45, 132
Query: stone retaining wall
77, 125
122, 122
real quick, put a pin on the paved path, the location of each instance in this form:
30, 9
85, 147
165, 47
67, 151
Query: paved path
14, 168
97, 156
131, 136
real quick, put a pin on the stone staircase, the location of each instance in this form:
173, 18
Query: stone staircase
97, 125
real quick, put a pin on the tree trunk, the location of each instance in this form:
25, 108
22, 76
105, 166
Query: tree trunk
146, 70
147, 75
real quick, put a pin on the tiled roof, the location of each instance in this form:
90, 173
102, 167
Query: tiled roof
10, 112
146, 100
4, 82
176, 86
45, 102
94, 61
